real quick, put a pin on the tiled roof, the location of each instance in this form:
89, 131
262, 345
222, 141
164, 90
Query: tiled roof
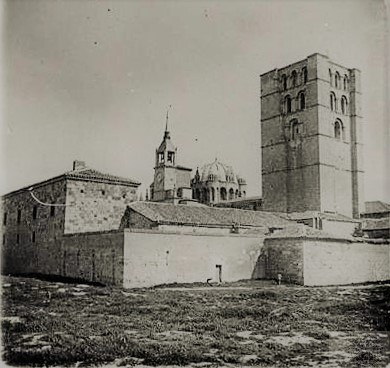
82, 174
376, 207
182, 214
241, 200
304, 231
94, 175
376, 224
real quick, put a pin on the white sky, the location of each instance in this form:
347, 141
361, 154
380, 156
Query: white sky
92, 80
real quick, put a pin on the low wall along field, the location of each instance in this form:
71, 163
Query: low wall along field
318, 262
152, 258
335, 263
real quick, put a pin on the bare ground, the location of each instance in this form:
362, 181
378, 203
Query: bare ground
241, 324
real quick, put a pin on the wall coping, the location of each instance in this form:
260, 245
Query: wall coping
173, 232
103, 232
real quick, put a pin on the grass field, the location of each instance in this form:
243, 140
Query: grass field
249, 323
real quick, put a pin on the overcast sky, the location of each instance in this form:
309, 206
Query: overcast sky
91, 80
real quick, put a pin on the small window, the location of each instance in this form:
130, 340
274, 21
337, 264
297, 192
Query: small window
124, 196
5, 218
33, 237
344, 105
35, 211
284, 82
19, 217
338, 130
345, 81
171, 156
337, 80
81, 190
52, 211
301, 100
330, 77
17, 238
287, 102
3, 239
294, 78
103, 192
161, 157
294, 129
332, 101
304, 74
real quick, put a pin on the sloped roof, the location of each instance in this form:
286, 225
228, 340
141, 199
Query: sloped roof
376, 207
182, 214
94, 175
303, 231
81, 174
376, 224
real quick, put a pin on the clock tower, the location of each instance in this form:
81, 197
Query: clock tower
171, 181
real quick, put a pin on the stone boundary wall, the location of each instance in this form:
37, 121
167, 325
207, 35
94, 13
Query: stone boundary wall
94, 257
320, 262
152, 258
340, 263
281, 256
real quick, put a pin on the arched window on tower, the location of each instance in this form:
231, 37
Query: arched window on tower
338, 129
294, 129
301, 100
344, 105
337, 80
284, 82
330, 77
332, 101
236, 193
294, 78
345, 82
304, 74
161, 157
287, 104
171, 157
212, 194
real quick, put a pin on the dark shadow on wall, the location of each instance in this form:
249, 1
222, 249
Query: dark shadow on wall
57, 278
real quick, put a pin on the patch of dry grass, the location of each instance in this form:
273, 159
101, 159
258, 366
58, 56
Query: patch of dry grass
46, 323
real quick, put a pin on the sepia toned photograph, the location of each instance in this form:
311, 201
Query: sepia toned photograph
197, 183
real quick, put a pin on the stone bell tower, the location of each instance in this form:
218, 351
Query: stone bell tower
311, 138
171, 181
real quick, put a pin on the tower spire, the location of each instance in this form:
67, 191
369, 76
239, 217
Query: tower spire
166, 133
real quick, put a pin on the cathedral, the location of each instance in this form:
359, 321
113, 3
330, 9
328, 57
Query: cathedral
216, 183
88, 225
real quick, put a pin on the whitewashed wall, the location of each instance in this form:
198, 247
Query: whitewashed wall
339, 263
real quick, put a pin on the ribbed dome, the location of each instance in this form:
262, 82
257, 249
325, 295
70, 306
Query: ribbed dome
217, 171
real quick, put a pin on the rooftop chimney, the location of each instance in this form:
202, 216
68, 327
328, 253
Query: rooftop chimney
78, 165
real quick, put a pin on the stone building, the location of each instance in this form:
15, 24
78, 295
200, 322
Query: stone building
217, 183
172, 182
79, 201
376, 220
311, 138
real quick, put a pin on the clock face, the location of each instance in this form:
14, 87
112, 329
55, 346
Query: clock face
159, 177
